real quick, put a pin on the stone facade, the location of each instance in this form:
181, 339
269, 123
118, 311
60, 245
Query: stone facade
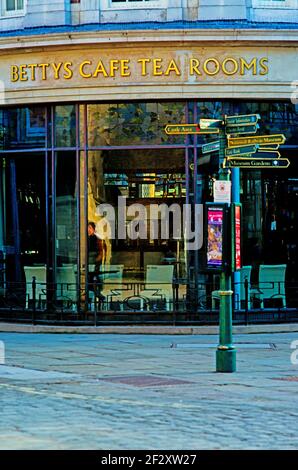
41, 13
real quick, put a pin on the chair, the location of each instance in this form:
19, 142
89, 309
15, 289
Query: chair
112, 280
245, 273
271, 283
66, 284
39, 272
159, 284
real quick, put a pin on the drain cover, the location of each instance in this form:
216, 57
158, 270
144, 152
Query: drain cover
145, 380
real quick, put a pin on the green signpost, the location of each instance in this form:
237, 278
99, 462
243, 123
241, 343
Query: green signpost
210, 147
256, 163
256, 139
244, 119
185, 129
251, 129
246, 150
211, 123
253, 152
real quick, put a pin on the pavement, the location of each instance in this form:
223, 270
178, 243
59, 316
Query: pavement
120, 391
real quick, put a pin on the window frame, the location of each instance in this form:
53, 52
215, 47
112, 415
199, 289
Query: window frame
275, 4
134, 5
12, 13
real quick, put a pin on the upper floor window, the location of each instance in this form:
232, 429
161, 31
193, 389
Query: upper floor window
131, 1
12, 7
134, 3
280, 4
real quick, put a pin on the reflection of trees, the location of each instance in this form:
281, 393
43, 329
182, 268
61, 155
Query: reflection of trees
133, 123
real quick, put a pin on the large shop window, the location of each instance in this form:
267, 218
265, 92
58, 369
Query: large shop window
23, 223
124, 186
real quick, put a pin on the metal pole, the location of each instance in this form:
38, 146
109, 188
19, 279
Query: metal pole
236, 198
226, 353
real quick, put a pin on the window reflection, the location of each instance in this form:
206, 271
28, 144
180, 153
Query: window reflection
133, 123
22, 127
65, 126
145, 179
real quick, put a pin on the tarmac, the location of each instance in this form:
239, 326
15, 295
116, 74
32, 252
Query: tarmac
147, 391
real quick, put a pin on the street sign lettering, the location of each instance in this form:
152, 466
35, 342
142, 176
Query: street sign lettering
210, 147
185, 129
252, 129
256, 139
245, 150
256, 163
244, 119
210, 123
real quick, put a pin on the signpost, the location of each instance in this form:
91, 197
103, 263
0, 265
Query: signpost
210, 147
256, 139
245, 150
268, 147
267, 154
256, 163
185, 129
251, 129
244, 119
211, 123
253, 152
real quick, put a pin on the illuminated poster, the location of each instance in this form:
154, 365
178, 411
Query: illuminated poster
237, 237
215, 237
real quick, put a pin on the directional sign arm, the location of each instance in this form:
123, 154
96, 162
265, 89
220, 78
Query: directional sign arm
256, 163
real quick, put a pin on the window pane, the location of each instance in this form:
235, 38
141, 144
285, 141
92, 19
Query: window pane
20, 4
23, 227
66, 229
65, 126
133, 123
146, 178
22, 127
10, 5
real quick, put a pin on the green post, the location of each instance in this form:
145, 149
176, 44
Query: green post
226, 353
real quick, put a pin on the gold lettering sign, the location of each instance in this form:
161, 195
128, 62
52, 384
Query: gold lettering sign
142, 67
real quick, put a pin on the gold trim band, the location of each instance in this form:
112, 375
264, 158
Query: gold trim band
225, 292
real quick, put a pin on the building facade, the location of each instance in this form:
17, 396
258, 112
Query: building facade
87, 89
